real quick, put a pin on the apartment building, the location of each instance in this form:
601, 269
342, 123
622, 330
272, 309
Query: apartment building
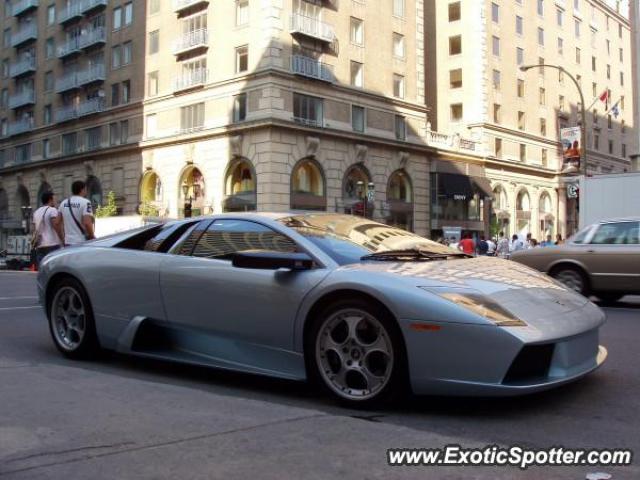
635, 31
475, 87
230, 105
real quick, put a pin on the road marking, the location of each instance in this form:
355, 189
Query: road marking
20, 308
18, 298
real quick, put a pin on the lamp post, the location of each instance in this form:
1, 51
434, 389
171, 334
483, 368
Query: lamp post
26, 217
367, 195
193, 192
583, 125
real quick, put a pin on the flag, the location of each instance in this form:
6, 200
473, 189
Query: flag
615, 110
604, 97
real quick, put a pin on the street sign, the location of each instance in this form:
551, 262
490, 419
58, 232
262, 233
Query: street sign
371, 195
572, 190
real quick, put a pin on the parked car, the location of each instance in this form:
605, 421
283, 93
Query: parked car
3, 259
357, 306
602, 259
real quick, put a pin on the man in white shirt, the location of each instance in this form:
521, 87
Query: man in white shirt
516, 244
492, 247
47, 226
77, 215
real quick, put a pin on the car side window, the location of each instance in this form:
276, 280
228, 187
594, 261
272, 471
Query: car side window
225, 237
622, 233
187, 242
165, 239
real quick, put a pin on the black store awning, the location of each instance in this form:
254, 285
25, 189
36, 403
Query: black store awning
463, 187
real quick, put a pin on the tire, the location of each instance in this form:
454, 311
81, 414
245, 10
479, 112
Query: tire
573, 278
362, 364
71, 322
609, 298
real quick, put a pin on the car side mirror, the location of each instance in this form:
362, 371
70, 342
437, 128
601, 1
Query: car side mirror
267, 260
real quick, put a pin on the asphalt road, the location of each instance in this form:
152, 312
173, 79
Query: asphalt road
123, 418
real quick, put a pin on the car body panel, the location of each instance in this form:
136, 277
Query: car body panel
207, 312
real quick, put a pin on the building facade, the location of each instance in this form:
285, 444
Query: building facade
635, 31
475, 87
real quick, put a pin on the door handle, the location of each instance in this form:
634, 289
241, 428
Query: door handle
591, 251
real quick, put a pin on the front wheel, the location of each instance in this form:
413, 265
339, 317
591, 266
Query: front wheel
573, 279
357, 353
71, 321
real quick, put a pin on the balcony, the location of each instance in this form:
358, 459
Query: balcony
23, 6
65, 114
88, 107
66, 83
22, 99
191, 41
70, 13
24, 35
69, 48
196, 78
87, 6
22, 67
309, 67
96, 73
312, 27
180, 6
92, 37
20, 126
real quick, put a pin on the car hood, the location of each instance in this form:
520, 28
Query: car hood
527, 293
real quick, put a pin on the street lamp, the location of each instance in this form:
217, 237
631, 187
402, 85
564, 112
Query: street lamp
26, 216
367, 195
583, 125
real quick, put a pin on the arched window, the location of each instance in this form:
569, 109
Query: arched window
500, 211
22, 200
523, 213
151, 188
94, 191
354, 190
400, 200
500, 201
545, 203
307, 186
240, 187
44, 187
191, 192
545, 209
523, 203
4, 204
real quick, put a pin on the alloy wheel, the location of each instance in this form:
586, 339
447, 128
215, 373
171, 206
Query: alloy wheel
69, 318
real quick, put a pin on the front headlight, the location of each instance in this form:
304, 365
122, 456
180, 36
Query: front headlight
480, 305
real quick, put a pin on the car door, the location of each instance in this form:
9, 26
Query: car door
614, 257
242, 308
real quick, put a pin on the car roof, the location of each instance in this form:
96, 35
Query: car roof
621, 219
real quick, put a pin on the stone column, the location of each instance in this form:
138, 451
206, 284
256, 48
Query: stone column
562, 211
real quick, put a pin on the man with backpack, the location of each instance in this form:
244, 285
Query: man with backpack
48, 233
77, 215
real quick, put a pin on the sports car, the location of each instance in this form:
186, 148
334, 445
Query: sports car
362, 308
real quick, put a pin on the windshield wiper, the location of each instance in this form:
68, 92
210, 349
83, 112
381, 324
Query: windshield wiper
414, 254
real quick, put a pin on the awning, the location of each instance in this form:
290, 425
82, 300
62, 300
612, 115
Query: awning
482, 186
463, 187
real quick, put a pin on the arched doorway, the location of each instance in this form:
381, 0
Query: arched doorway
240, 187
400, 200
4, 204
499, 211
150, 195
94, 191
44, 187
354, 190
307, 186
523, 213
191, 193
547, 219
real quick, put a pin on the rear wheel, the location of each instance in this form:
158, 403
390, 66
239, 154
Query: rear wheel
356, 353
572, 278
71, 321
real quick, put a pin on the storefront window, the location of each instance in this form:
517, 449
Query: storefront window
307, 187
400, 201
240, 188
355, 187
192, 193
523, 213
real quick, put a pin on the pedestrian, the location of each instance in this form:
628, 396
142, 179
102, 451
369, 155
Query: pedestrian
559, 240
529, 242
453, 243
483, 246
502, 247
548, 242
48, 233
77, 215
491, 247
467, 245
516, 244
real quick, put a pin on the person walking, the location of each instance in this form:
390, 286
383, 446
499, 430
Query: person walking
467, 245
516, 244
483, 246
491, 247
559, 240
548, 242
502, 248
77, 215
47, 228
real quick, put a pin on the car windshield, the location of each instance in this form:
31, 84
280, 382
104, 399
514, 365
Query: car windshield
347, 238
581, 235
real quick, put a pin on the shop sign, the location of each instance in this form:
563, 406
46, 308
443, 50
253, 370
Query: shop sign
572, 190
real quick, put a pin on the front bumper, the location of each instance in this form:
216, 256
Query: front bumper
474, 360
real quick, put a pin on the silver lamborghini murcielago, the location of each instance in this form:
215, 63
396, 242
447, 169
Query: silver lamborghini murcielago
360, 307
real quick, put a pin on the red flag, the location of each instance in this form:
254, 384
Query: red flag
604, 96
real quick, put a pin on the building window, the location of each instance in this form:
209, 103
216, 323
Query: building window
578, 56
69, 143
398, 8
124, 131
152, 84
115, 94
495, 12
496, 113
307, 186
542, 96
576, 24
540, 7
128, 13
497, 147
593, 63
520, 88
114, 134
543, 127
4, 98
154, 6
596, 141
398, 45
455, 78
192, 117
242, 12
610, 147
127, 53
560, 46
357, 31
51, 14
151, 126
46, 115
398, 86
400, 127
50, 48
357, 118
357, 73
154, 42
496, 79
560, 17
624, 150
23, 153
523, 152
456, 112
609, 72
240, 108
6, 37
621, 78
561, 104
609, 122
621, 53
93, 138
308, 110
116, 56
521, 121
117, 18
454, 11
46, 148
48, 81
519, 25
126, 91
455, 45
561, 77
541, 36
495, 45
520, 55
544, 159
242, 59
